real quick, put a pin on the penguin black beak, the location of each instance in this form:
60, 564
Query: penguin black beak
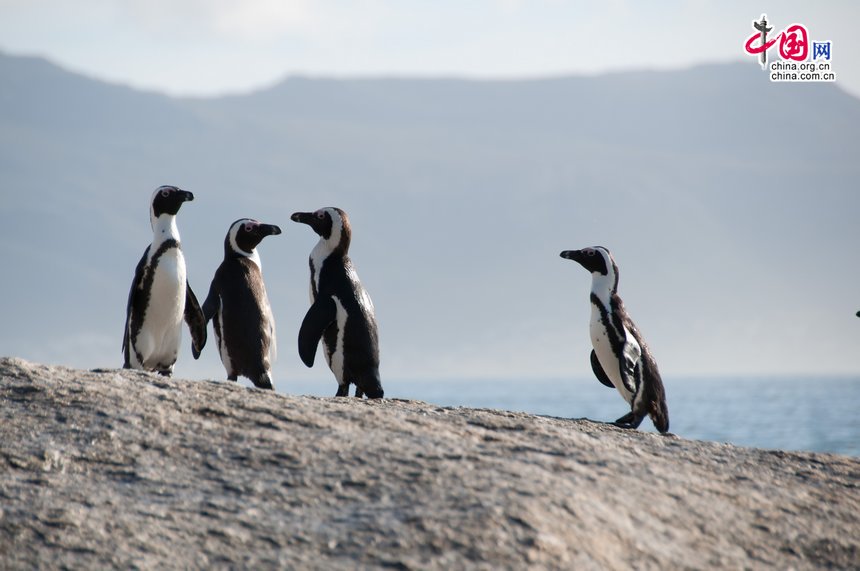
575, 255
269, 230
186, 196
302, 217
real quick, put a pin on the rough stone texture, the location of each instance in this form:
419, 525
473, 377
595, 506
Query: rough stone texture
126, 469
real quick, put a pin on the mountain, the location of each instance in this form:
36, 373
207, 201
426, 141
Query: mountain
730, 204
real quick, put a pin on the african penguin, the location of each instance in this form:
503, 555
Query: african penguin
237, 300
341, 312
620, 357
160, 297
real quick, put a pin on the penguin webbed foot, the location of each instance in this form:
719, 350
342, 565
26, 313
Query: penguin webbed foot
629, 421
264, 381
369, 385
342, 390
166, 372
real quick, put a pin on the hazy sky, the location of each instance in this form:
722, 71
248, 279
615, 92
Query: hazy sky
205, 47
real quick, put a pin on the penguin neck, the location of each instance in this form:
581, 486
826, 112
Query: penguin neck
334, 245
253, 256
603, 287
231, 248
164, 228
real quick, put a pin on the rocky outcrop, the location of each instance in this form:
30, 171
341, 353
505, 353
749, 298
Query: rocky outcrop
130, 470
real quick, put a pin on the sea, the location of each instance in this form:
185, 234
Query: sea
797, 414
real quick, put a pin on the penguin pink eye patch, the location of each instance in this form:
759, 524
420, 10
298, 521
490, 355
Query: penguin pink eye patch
250, 225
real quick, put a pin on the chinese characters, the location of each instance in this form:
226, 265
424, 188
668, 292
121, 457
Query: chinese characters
793, 42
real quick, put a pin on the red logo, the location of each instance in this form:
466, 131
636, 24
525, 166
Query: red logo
793, 42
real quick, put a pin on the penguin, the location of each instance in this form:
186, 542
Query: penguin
620, 358
160, 296
341, 311
237, 300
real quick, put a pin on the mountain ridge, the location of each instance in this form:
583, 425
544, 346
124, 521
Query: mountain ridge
717, 191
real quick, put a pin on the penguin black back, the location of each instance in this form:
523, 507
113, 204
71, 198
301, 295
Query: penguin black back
239, 306
620, 358
341, 312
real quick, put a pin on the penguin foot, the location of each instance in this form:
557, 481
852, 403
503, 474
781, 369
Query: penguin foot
166, 372
358, 392
342, 390
629, 421
234, 378
264, 381
371, 387
375, 394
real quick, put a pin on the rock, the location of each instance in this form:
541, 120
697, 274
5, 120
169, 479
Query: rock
126, 469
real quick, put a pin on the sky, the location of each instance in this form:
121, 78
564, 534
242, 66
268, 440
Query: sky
215, 47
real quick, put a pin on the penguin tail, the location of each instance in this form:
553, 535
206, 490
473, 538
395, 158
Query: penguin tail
659, 414
655, 394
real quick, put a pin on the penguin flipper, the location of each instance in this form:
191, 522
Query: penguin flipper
196, 322
210, 306
599, 372
629, 361
317, 319
132, 302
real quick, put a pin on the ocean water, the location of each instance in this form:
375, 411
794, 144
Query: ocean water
818, 415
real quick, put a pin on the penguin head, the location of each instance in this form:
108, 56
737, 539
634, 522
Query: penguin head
597, 260
167, 200
245, 234
332, 225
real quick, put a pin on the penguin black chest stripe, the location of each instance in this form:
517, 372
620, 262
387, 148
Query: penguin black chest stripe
144, 288
611, 322
314, 291
355, 335
142, 293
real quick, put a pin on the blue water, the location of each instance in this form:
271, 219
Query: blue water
819, 415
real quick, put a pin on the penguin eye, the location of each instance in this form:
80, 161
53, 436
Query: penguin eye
165, 193
248, 226
320, 215
589, 252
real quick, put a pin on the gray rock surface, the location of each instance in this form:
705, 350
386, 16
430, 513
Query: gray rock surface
126, 469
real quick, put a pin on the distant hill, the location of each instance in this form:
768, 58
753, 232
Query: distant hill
730, 203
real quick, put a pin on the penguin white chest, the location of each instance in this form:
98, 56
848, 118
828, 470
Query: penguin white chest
609, 360
164, 313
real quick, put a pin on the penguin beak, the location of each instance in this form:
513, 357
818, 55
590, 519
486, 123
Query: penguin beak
575, 255
269, 230
186, 196
302, 217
